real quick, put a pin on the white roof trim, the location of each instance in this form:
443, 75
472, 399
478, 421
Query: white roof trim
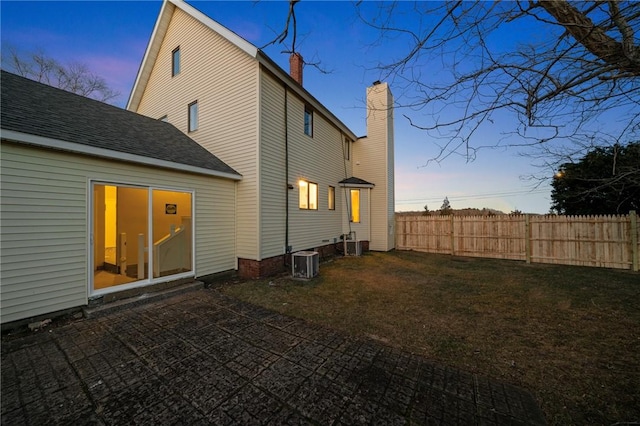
168, 7
285, 78
25, 138
145, 58
234, 38
357, 185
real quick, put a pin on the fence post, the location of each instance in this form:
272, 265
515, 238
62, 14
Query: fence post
527, 238
453, 240
634, 240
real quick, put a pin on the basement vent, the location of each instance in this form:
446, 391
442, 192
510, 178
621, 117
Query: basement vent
305, 264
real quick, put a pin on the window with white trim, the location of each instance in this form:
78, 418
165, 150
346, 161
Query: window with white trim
355, 205
175, 62
308, 198
331, 198
308, 121
193, 116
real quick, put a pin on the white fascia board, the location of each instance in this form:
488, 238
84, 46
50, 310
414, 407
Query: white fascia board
234, 38
154, 43
168, 7
357, 185
43, 142
275, 69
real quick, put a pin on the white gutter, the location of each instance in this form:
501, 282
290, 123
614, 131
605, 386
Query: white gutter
357, 185
43, 142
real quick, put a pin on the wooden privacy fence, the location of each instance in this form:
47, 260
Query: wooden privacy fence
601, 241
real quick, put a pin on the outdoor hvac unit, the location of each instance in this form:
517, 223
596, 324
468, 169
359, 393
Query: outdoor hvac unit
306, 264
352, 248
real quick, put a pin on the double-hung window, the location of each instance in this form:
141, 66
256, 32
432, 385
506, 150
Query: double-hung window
355, 205
175, 62
331, 198
308, 199
193, 116
308, 121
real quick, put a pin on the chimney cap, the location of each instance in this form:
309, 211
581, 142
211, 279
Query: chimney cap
375, 83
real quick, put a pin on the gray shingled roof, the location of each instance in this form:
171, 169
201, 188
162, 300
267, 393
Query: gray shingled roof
355, 181
37, 109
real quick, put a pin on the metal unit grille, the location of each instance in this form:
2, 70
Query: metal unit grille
305, 264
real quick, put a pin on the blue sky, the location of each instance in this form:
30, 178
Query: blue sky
110, 37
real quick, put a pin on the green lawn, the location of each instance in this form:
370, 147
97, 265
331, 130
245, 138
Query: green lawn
571, 335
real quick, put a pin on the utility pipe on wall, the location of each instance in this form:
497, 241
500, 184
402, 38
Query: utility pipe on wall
286, 174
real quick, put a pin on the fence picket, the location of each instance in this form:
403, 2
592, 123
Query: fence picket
599, 241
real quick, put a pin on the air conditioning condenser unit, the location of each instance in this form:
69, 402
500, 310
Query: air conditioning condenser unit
305, 264
352, 248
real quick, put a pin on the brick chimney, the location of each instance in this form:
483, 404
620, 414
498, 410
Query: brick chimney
295, 67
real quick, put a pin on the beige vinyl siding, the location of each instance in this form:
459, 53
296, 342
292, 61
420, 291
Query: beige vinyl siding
224, 81
362, 228
318, 159
45, 213
372, 169
391, 190
375, 157
273, 181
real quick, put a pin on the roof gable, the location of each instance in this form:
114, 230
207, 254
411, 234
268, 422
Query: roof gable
66, 120
160, 30
157, 36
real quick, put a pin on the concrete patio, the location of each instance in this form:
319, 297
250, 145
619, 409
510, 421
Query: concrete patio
204, 358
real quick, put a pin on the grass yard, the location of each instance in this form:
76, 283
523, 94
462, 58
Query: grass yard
571, 335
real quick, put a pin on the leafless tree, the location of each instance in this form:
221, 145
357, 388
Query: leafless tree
74, 77
290, 31
556, 69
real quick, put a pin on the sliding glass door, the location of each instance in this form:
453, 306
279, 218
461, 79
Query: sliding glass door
139, 234
171, 232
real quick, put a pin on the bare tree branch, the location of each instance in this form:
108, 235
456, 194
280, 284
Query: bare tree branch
291, 24
553, 92
284, 34
624, 55
75, 77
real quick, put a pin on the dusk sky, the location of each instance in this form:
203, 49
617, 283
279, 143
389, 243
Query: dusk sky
111, 37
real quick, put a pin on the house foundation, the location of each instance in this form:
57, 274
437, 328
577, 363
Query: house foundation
256, 269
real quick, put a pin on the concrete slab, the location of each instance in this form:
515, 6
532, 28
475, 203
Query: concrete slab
204, 358
139, 299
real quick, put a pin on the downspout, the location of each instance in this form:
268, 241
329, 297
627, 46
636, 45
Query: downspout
347, 193
287, 249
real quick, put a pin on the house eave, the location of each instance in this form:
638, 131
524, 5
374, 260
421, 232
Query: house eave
157, 36
356, 185
234, 38
166, 12
295, 87
60, 145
